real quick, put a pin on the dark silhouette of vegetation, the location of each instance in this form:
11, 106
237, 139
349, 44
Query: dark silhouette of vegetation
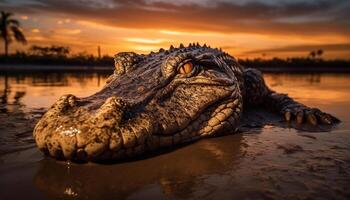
61, 56
297, 64
318, 53
55, 55
51, 51
10, 30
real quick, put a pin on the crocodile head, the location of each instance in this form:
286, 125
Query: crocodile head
150, 101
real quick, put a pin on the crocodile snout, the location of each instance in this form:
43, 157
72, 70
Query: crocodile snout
71, 130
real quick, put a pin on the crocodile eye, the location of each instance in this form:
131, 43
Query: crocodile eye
186, 68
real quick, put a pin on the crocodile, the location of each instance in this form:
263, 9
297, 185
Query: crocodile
162, 100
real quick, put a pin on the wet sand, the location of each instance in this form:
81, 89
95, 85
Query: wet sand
267, 160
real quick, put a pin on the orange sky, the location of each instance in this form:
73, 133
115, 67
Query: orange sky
251, 28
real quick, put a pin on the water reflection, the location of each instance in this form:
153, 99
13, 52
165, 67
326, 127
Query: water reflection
36, 90
24, 97
312, 89
178, 174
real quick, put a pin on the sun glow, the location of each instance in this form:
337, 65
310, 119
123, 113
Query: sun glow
35, 30
144, 40
127, 27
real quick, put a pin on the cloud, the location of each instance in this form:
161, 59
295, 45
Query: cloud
35, 30
65, 31
255, 16
144, 40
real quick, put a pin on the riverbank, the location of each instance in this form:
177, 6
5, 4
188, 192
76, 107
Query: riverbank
105, 68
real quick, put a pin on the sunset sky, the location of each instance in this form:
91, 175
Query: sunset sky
244, 28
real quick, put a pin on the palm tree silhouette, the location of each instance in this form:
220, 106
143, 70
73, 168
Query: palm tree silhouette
9, 29
319, 52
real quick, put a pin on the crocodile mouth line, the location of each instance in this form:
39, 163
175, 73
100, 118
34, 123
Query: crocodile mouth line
222, 101
219, 116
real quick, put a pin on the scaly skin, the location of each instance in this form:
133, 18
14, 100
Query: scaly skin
161, 100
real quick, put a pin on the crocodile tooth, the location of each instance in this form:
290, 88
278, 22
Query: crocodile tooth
68, 145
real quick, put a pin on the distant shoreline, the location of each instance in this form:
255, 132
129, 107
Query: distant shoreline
304, 70
103, 68
51, 68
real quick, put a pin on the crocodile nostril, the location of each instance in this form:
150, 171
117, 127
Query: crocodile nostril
72, 100
66, 101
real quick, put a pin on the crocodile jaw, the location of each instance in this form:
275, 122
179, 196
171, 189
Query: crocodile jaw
72, 132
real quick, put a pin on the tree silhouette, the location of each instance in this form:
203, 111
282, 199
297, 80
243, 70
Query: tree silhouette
319, 52
9, 30
312, 54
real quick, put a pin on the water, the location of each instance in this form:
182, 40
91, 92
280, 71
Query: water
270, 162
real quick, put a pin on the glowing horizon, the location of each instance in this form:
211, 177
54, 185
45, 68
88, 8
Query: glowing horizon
258, 28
